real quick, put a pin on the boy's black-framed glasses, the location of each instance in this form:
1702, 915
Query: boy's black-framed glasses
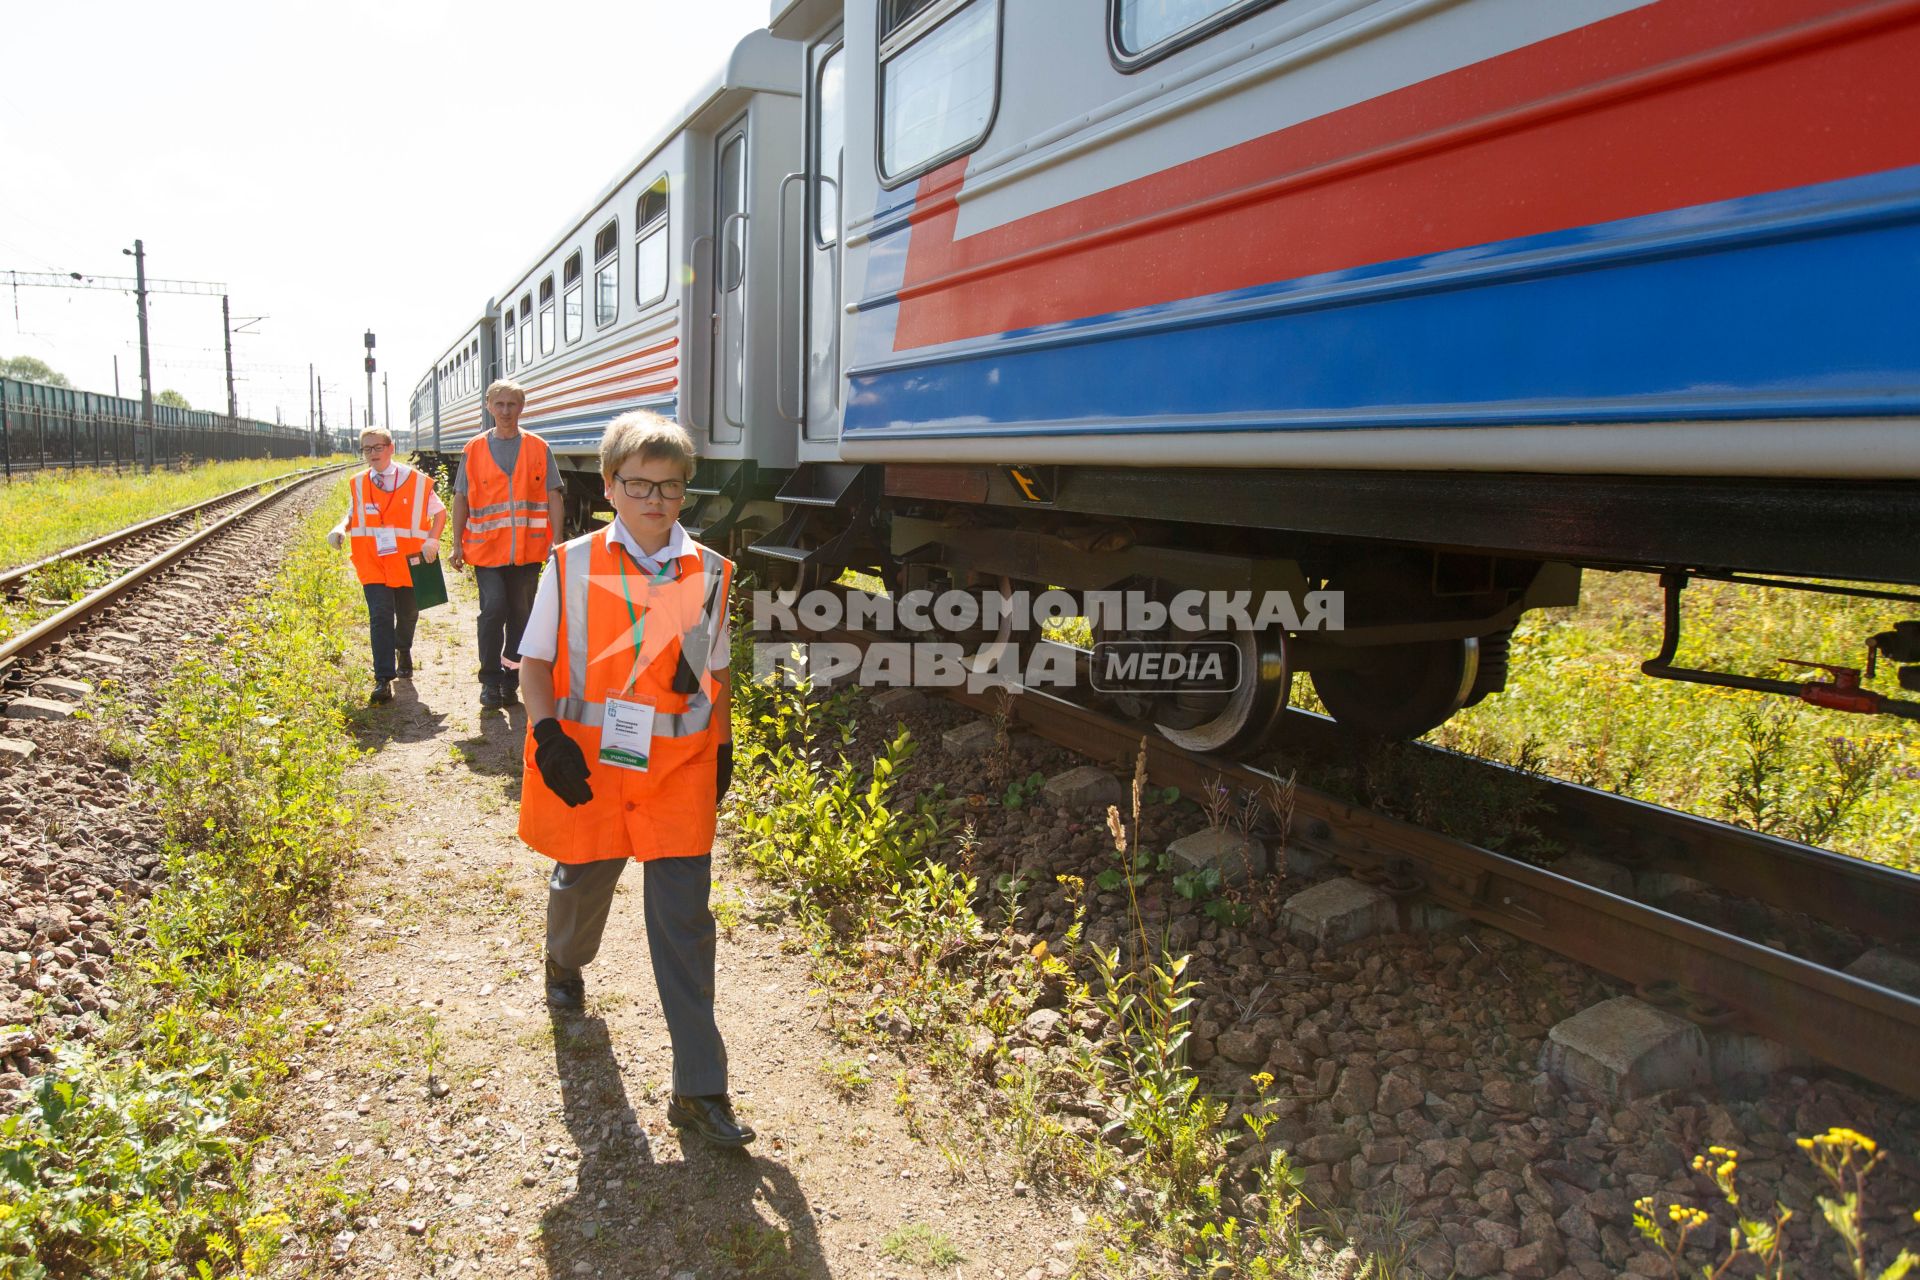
374, 448
642, 488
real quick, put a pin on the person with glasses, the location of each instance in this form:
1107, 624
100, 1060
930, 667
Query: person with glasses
392, 514
509, 500
624, 668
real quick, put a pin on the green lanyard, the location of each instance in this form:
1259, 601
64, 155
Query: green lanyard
639, 620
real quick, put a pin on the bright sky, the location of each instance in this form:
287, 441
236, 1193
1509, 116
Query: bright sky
339, 166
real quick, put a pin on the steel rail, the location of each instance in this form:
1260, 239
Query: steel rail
1835, 887
48, 630
1855, 1025
107, 542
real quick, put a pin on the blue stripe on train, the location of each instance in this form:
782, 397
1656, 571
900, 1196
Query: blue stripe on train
1789, 304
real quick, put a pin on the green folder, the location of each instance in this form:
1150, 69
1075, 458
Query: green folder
429, 584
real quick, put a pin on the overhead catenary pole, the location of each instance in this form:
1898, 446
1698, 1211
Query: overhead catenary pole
226, 326
116, 375
313, 441
386, 402
146, 364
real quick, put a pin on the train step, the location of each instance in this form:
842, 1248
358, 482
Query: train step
819, 484
792, 555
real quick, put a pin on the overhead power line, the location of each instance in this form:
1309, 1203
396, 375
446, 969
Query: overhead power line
124, 284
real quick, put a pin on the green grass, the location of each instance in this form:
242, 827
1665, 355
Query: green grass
47, 511
133, 1158
1849, 782
920, 1245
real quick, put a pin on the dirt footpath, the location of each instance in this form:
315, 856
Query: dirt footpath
443, 1124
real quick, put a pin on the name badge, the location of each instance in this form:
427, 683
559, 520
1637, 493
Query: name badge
370, 508
385, 542
626, 734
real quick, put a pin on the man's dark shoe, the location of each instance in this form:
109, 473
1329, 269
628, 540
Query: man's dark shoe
710, 1117
404, 666
509, 693
382, 692
490, 696
566, 989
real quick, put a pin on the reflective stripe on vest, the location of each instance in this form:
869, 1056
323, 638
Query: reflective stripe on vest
696, 644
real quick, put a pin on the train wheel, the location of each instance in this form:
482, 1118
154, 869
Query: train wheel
1245, 719
1402, 690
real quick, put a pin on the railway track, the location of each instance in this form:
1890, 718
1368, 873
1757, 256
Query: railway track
78, 842
1840, 890
1712, 976
136, 554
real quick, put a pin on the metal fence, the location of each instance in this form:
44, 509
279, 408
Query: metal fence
45, 427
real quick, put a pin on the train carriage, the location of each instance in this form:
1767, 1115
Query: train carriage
625, 308
1432, 302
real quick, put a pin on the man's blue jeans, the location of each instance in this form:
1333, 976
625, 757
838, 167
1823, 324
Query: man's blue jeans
506, 598
391, 615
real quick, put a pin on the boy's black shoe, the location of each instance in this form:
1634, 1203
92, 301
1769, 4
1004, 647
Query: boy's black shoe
491, 697
403, 666
711, 1117
566, 989
509, 693
382, 692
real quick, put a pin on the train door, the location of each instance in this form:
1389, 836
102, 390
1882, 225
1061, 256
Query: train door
729, 390
826, 168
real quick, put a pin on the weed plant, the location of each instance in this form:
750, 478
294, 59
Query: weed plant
1576, 695
1757, 1244
48, 510
814, 820
133, 1159
901, 931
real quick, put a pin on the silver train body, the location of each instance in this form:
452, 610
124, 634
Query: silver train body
1434, 302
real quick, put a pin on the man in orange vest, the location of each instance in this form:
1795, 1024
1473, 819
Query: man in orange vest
624, 668
509, 499
393, 515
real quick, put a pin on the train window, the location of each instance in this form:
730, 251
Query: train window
1141, 31
831, 128
939, 77
573, 293
650, 245
526, 328
606, 273
546, 316
506, 340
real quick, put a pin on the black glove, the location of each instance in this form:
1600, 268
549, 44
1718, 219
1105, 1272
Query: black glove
725, 763
562, 766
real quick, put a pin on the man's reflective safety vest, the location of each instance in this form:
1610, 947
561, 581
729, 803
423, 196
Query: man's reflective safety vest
402, 512
668, 811
506, 514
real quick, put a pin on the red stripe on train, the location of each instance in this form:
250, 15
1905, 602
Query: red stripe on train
1682, 103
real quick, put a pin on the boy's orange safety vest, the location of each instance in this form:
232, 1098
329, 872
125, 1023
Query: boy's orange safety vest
506, 515
606, 599
402, 513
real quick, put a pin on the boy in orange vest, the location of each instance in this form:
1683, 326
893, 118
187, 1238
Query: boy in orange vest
624, 671
393, 514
